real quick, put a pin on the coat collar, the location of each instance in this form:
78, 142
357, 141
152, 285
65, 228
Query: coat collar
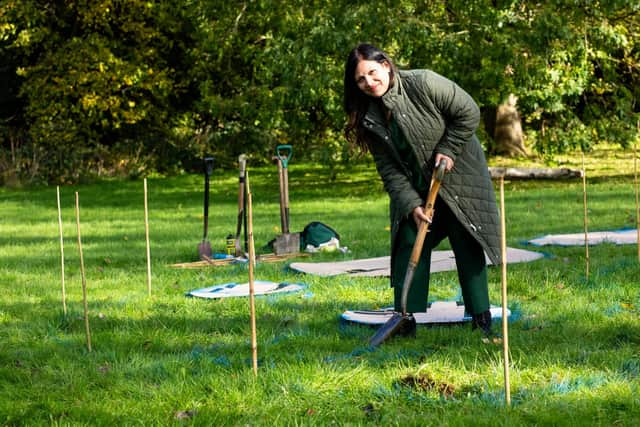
375, 113
390, 98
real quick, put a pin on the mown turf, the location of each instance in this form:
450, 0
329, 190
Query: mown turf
169, 359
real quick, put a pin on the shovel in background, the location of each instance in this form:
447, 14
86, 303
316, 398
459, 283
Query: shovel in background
204, 248
242, 162
283, 214
286, 243
402, 321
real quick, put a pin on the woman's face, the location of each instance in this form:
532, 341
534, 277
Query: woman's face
372, 77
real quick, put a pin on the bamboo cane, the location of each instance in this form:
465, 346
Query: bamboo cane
252, 262
64, 293
505, 330
84, 281
586, 218
146, 230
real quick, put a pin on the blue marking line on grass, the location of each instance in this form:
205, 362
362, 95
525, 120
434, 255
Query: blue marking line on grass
210, 354
631, 368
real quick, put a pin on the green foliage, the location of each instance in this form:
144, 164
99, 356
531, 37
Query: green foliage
100, 83
128, 87
263, 84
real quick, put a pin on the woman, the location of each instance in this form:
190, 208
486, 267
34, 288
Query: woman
410, 121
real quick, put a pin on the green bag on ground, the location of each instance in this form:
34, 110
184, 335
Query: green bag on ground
316, 233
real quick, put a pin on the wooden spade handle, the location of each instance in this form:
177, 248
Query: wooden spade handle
423, 229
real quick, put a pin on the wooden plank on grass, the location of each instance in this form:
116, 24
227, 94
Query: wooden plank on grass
533, 173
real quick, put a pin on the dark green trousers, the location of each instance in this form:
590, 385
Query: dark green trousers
470, 262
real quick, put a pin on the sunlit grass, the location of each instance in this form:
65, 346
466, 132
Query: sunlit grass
169, 359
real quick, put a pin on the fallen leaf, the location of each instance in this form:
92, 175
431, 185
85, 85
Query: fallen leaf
185, 415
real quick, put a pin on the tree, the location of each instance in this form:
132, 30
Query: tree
132, 86
99, 83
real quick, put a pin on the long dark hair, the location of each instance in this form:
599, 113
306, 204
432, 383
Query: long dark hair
357, 102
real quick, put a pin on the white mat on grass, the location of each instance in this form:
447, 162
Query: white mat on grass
620, 237
261, 287
439, 312
381, 266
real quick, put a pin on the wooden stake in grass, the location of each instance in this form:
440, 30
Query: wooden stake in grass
146, 231
64, 293
505, 329
586, 218
252, 262
84, 281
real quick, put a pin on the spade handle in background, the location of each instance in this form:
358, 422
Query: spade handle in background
285, 181
204, 247
284, 153
283, 214
208, 170
242, 165
423, 229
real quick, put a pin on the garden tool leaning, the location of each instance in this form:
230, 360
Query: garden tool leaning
204, 247
285, 243
242, 163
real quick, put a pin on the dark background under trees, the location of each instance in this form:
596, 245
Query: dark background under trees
128, 88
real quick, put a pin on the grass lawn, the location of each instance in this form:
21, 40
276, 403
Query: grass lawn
168, 359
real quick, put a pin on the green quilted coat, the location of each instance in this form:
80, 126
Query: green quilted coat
436, 116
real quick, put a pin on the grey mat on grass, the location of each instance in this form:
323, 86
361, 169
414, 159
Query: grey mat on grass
618, 237
380, 267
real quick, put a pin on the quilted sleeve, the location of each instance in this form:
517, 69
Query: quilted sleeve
395, 181
460, 111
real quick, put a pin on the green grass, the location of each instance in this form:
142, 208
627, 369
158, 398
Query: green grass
167, 359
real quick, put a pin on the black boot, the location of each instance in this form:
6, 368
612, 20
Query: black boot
483, 321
